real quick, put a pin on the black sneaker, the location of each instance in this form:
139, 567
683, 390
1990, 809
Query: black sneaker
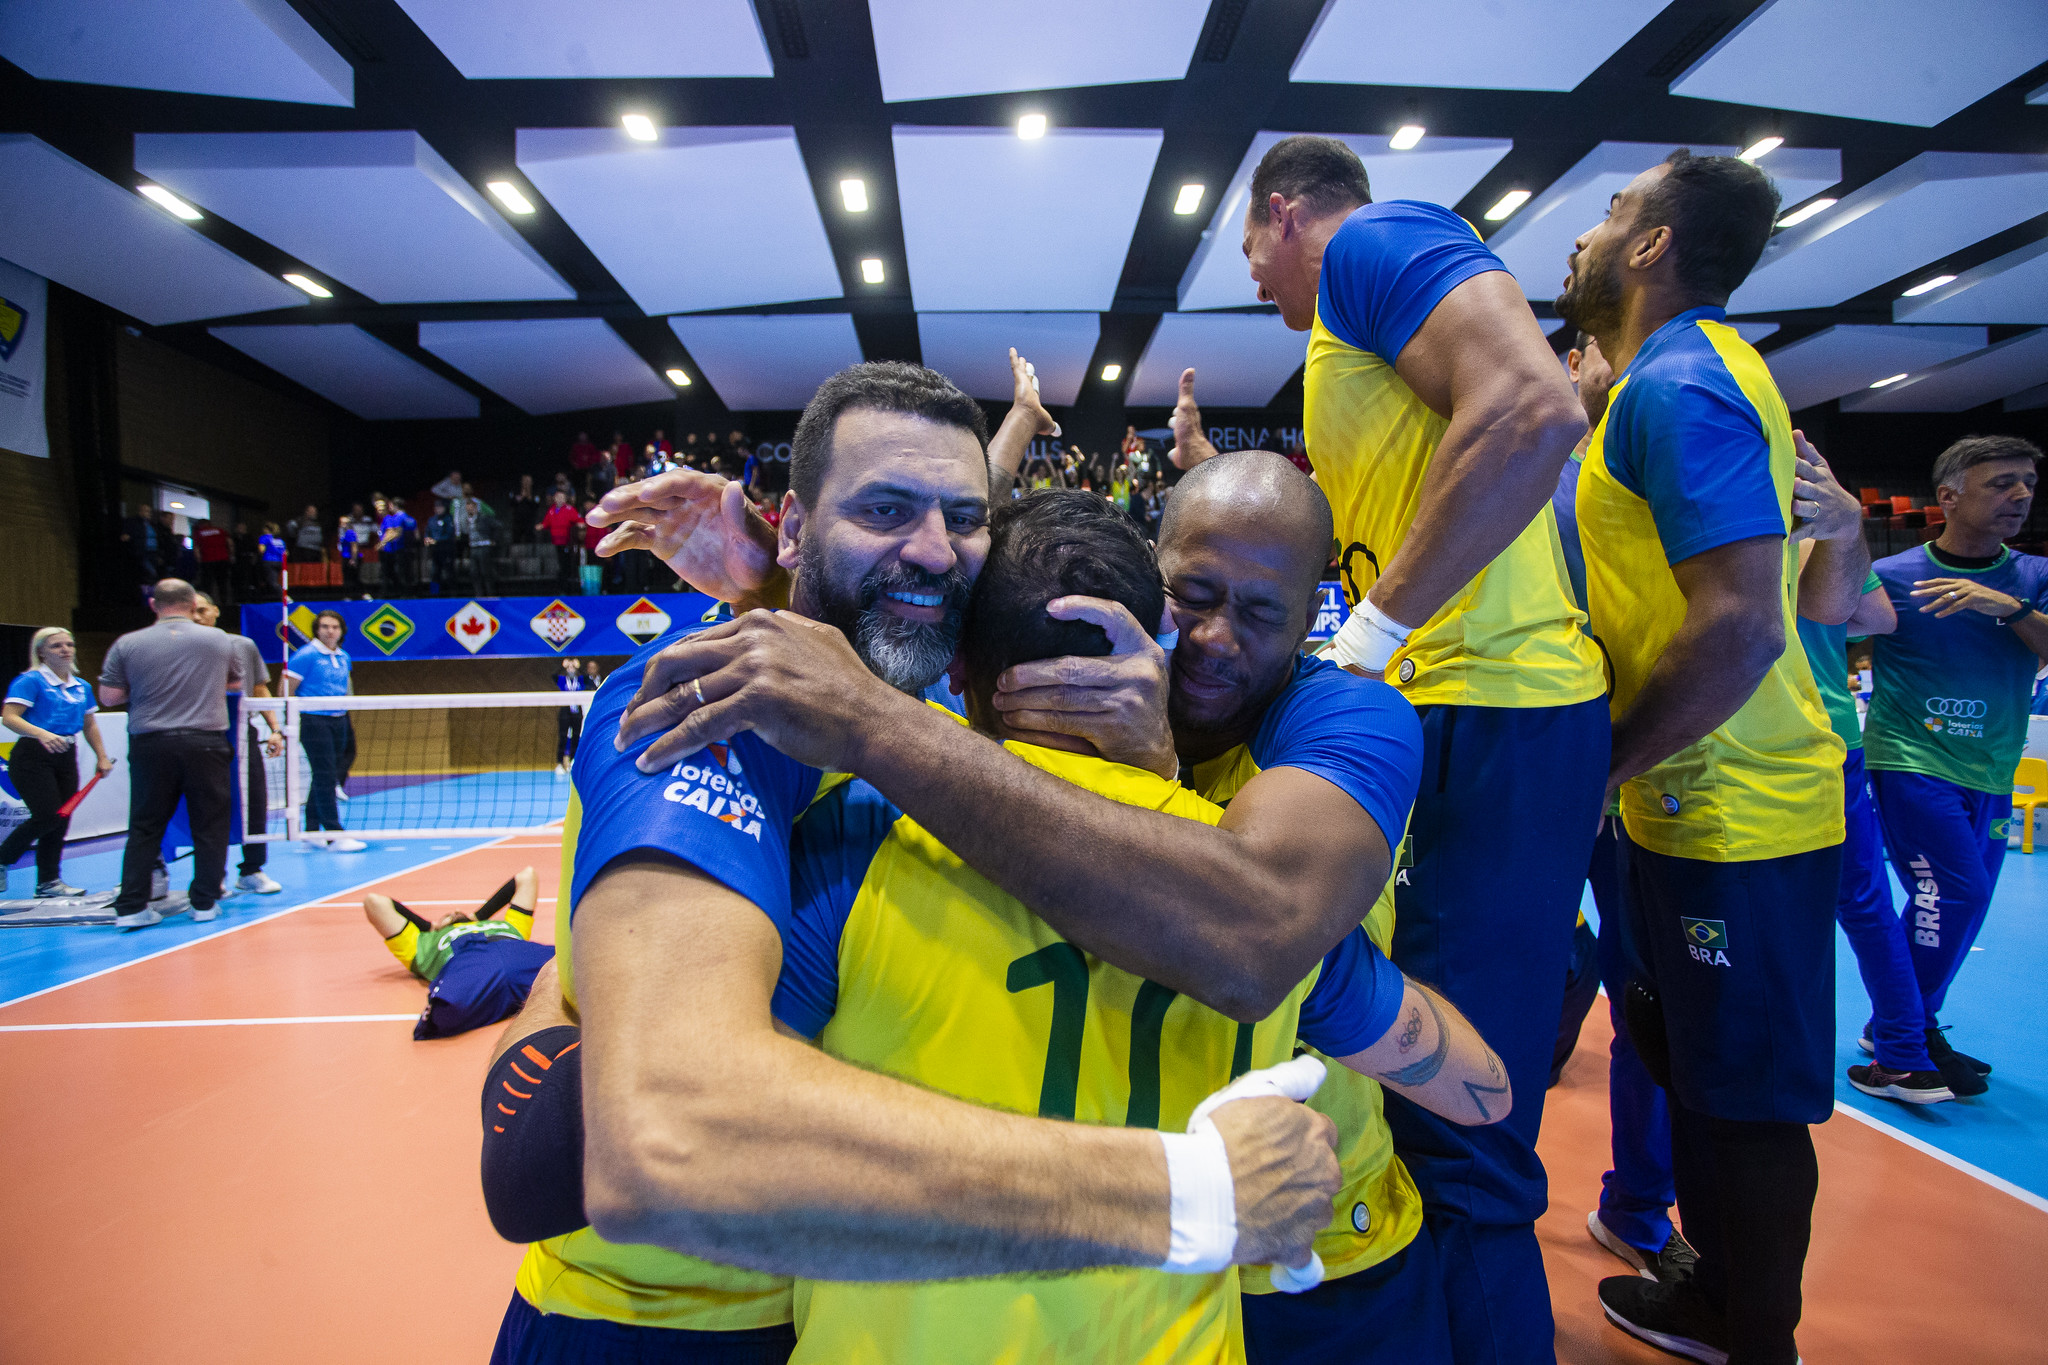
1937, 1044
1673, 1263
1671, 1317
1960, 1071
1913, 1087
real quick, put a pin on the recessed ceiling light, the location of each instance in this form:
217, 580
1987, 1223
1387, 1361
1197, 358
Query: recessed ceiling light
1925, 285
313, 287
1509, 202
871, 270
1406, 136
157, 194
1884, 382
1190, 199
854, 193
1761, 148
1031, 126
1798, 216
508, 194
679, 379
1112, 373
639, 127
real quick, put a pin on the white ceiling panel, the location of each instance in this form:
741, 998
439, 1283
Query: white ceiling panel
769, 364
1240, 359
1937, 203
937, 49
379, 211
1848, 359
1491, 44
973, 350
70, 224
2013, 288
1970, 381
250, 49
595, 39
1895, 61
993, 222
547, 364
653, 212
1441, 170
1535, 243
353, 368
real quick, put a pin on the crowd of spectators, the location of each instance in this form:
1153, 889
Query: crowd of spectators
451, 537
1132, 478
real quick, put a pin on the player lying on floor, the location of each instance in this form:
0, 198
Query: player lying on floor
478, 968
901, 959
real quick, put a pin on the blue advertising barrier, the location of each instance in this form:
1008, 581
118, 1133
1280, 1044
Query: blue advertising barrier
1331, 613
483, 628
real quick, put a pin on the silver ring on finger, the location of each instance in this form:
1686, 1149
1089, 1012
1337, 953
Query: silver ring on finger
697, 686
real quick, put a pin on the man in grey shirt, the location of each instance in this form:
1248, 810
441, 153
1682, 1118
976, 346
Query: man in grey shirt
174, 679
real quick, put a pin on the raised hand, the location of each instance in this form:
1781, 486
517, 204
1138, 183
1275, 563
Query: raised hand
701, 526
1821, 508
1190, 443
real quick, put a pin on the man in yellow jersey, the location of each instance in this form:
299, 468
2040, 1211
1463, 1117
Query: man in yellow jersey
712, 1135
1437, 420
1730, 777
1291, 745
902, 959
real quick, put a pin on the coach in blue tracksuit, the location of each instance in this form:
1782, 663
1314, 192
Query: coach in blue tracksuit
1948, 716
321, 668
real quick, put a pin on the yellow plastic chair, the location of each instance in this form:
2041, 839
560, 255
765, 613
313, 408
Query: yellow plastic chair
2029, 793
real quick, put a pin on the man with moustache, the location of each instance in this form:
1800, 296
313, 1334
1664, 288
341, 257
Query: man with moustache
1729, 775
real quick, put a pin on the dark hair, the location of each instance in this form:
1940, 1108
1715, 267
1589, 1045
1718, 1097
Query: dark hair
878, 386
334, 616
1581, 340
1975, 450
1323, 173
1054, 543
1720, 210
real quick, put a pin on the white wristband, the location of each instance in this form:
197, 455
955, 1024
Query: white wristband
1203, 1201
1368, 638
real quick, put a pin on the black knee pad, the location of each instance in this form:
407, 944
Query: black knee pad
1643, 1011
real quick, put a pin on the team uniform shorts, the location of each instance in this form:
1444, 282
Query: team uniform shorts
485, 980
528, 1336
1743, 956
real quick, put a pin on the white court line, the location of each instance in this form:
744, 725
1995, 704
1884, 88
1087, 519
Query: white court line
216, 1023
236, 929
1996, 1182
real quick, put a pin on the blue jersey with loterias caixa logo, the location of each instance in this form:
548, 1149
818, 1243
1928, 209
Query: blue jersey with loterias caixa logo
1951, 693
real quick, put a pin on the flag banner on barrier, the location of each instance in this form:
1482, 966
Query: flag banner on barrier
485, 627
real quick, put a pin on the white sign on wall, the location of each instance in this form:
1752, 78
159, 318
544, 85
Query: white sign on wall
24, 302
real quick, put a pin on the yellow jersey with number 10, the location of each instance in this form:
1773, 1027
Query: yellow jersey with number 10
1513, 637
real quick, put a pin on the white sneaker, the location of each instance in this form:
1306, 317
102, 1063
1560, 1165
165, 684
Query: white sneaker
199, 916
57, 886
346, 846
260, 882
141, 919
340, 795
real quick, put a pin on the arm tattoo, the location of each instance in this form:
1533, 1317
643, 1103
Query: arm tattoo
1423, 1071
1479, 1093
1412, 1031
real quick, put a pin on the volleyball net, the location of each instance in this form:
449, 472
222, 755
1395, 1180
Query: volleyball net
457, 764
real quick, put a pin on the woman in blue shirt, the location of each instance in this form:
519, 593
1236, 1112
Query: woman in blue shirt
271, 546
321, 669
49, 707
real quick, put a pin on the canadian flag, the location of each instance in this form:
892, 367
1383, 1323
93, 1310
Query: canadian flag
472, 627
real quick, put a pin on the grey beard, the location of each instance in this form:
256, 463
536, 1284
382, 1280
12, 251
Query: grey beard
908, 655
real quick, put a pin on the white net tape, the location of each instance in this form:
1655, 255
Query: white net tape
463, 764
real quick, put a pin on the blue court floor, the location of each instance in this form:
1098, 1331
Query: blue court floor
37, 960
1994, 1012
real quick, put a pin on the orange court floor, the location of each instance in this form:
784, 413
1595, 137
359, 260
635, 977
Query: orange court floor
305, 1189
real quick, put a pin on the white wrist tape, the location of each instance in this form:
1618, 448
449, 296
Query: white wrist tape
1368, 638
1204, 1201
1203, 1193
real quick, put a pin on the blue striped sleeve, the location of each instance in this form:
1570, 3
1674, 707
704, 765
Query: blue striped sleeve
1355, 1000
835, 841
1388, 267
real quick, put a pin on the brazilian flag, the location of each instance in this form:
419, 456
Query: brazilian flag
387, 628
1710, 934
